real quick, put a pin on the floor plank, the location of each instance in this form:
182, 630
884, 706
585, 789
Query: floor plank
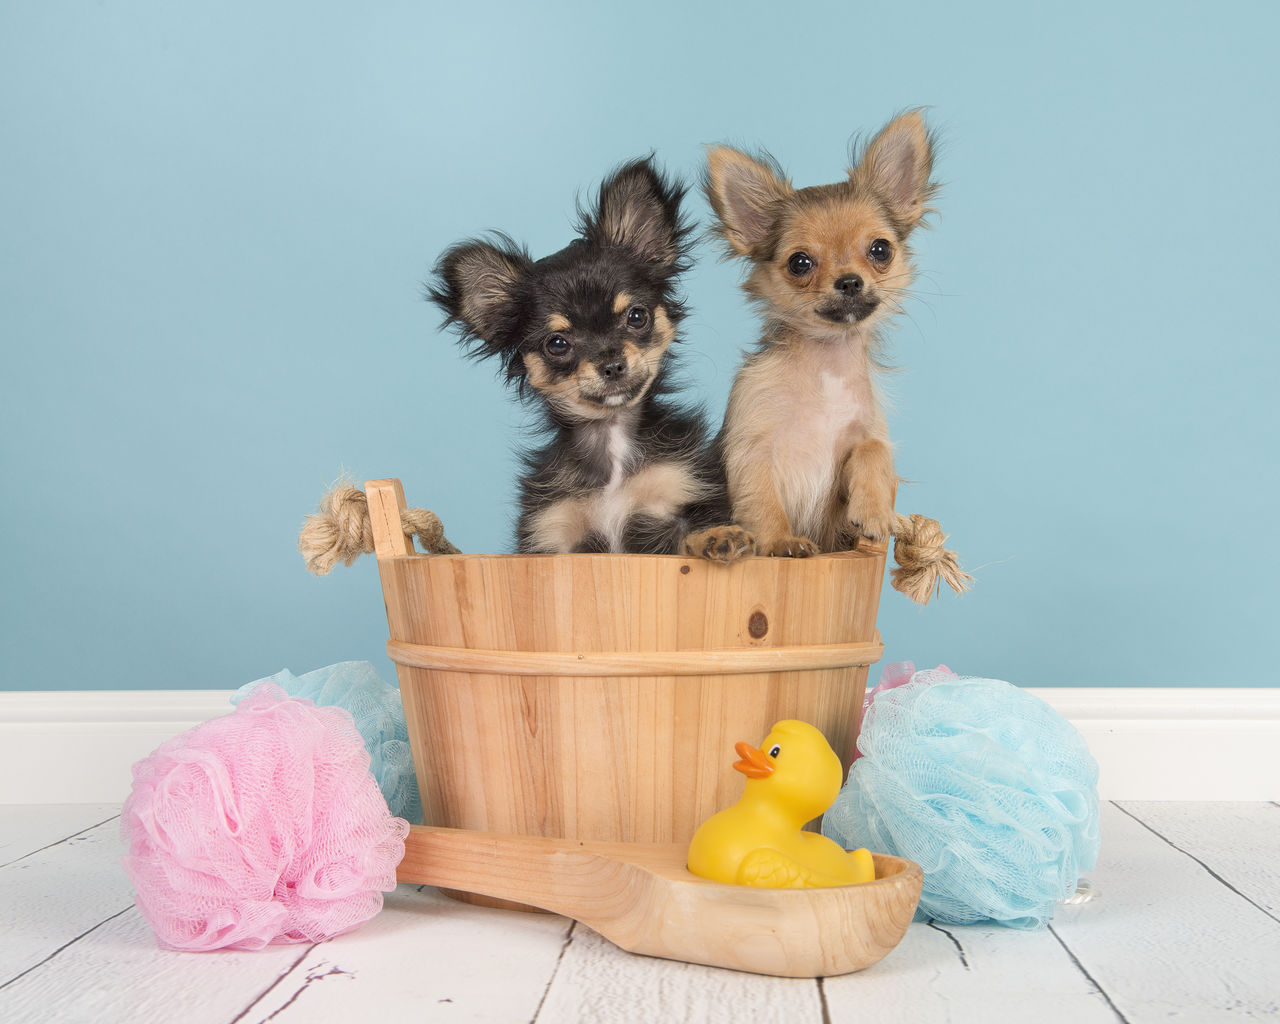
116, 973
1238, 842
596, 982
57, 893
971, 973
423, 950
1165, 940
28, 828
425, 957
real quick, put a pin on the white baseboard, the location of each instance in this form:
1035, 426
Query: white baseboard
1177, 743
61, 747
1151, 744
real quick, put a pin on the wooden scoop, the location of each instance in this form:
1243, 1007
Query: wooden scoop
642, 898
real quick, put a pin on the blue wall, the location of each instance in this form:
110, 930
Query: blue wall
215, 222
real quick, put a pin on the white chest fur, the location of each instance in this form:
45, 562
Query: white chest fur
810, 448
660, 489
802, 413
612, 505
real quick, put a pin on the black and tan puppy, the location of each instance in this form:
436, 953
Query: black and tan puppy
588, 331
804, 446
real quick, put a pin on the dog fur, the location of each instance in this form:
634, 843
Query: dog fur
804, 449
587, 332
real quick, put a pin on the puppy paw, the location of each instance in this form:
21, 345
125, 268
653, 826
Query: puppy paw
870, 517
791, 547
720, 544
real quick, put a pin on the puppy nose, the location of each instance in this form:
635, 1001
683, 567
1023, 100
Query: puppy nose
850, 284
613, 369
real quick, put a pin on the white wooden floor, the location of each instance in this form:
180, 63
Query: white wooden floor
1186, 926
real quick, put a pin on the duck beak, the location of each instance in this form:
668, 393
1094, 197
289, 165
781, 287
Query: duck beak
754, 764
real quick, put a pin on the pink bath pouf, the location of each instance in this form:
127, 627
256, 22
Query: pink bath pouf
263, 826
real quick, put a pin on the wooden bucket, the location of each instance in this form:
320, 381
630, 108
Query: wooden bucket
599, 697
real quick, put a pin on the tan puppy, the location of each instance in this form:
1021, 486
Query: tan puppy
804, 445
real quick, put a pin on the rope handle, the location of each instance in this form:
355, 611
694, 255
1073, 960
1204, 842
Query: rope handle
341, 529
923, 563
350, 523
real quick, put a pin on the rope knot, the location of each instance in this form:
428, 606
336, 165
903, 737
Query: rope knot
340, 531
923, 562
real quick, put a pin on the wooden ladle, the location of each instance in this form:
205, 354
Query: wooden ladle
642, 898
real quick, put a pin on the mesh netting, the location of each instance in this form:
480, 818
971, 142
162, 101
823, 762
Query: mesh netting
374, 704
987, 788
263, 826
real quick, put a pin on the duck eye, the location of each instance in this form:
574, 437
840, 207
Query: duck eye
775, 750
800, 264
637, 316
556, 346
880, 251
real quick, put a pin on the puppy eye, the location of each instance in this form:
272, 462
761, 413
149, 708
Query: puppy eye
556, 345
800, 264
774, 751
637, 316
880, 251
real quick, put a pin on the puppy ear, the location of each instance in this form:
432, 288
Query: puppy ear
896, 167
639, 209
745, 192
477, 284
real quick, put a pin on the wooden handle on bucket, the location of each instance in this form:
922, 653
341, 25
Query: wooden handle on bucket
386, 502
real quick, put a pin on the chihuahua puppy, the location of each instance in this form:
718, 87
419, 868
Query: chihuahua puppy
804, 447
587, 331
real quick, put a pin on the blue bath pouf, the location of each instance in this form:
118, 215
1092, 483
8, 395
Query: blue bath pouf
987, 788
375, 705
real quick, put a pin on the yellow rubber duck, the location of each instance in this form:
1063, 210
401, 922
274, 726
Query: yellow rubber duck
791, 779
